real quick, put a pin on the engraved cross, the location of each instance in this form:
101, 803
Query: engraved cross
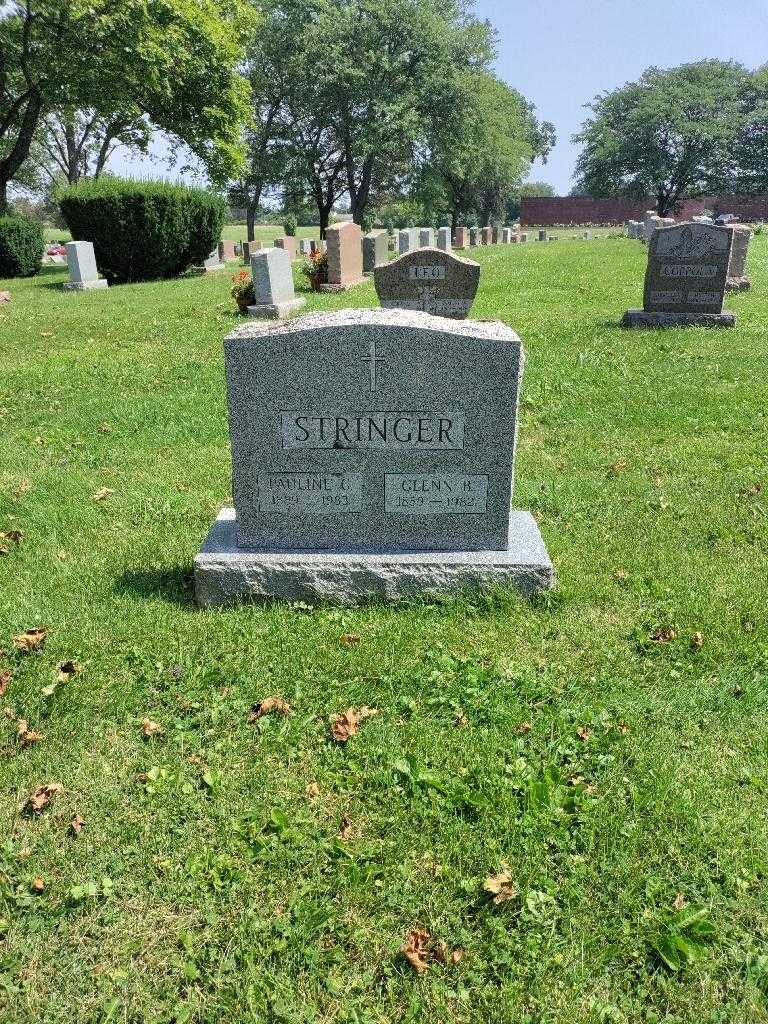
372, 359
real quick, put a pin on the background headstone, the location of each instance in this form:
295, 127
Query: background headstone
345, 257
542, 236
431, 281
81, 263
287, 242
737, 279
372, 454
506, 236
444, 239
474, 237
685, 279
523, 236
461, 238
375, 250
487, 235
426, 238
227, 250
274, 295
305, 246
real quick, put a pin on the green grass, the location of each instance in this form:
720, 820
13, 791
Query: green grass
206, 884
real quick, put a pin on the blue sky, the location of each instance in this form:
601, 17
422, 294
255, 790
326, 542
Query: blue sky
561, 53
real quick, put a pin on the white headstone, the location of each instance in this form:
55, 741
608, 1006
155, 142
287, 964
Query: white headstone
81, 262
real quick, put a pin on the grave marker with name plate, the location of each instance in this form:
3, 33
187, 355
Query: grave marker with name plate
431, 281
373, 454
685, 278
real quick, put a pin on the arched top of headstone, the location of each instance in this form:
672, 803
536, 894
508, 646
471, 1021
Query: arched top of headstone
431, 281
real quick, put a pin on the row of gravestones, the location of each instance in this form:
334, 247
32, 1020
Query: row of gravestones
373, 451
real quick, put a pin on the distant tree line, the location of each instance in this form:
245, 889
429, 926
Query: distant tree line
694, 130
310, 104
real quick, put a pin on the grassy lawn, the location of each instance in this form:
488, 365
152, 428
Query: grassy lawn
603, 750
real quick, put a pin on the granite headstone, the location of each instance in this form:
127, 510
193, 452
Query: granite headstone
372, 455
81, 263
345, 257
275, 298
685, 278
431, 281
375, 250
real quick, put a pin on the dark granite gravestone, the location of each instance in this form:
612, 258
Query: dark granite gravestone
429, 280
372, 455
685, 278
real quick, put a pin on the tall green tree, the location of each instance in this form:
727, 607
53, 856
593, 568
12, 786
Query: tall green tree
383, 73
75, 144
174, 61
673, 134
481, 149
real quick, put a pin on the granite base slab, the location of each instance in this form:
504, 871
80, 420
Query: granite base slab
738, 284
84, 286
227, 574
342, 287
276, 310
641, 318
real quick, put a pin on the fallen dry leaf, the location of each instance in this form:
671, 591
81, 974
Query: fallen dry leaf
102, 493
37, 885
663, 635
65, 670
346, 831
347, 723
444, 955
679, 901
150, 728
268, 706
5, 678
14, 536
461, 721
415, 949
26, 735
77, 824
104, 428
583, 732
697, 641
5, 296
523, 728
42, 796
30, 639
24, 487
312, 789
753, 491
348, 639
619, 466
500, 887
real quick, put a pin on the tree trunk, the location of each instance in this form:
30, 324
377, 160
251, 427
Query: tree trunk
3, 196
250, 220
454, 220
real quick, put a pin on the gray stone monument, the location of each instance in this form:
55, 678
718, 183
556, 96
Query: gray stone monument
81, 263
737, 280
475, 237
523, 236
405, 240
444, 239
685, 278
375, 250
542, 236
372, 456
426, 238
305, 246
275, 298
461, 238
506, 236
431, 281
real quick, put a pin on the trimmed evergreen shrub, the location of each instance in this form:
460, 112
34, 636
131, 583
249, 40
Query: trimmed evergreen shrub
21, 247
143, 229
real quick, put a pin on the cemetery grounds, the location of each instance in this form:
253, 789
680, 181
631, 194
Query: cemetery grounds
560, 807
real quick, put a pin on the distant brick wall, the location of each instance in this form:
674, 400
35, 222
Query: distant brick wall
583, 210
747, 208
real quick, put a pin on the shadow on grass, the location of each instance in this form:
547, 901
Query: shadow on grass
173, 585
